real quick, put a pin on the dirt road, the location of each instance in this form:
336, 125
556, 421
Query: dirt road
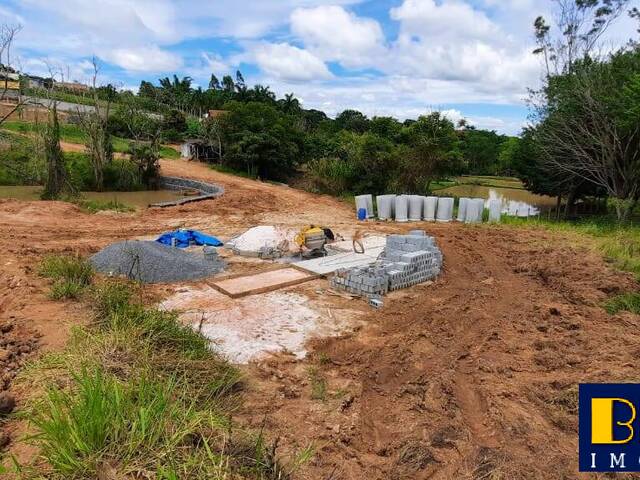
474, 376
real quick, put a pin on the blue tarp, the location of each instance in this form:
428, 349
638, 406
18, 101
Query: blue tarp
185, 238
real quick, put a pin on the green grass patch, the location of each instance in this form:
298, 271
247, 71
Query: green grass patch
63, 96
627, 302
318, 384
491, 181
168, 152
71, 275
139, 395
442, 184
73, 133
94, 206
141, 424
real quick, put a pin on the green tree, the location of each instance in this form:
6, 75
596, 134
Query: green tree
214, 83
386, 127
432, 152
590, 129
506, 156
481, 149
56, 181
261, 140
353, 121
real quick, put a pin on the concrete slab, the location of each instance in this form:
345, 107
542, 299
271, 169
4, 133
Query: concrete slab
242, 286
326, 265
346, 246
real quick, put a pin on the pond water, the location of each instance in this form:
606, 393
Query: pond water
514, 201
134, 199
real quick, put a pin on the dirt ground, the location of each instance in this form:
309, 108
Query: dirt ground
474, 376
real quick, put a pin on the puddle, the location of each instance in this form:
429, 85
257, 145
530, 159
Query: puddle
253, 327
514, 201
139, 199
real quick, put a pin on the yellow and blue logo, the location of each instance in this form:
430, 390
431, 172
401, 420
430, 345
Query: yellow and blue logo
609, 427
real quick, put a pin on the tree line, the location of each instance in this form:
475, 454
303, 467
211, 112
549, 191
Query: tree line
584, 141
278, 139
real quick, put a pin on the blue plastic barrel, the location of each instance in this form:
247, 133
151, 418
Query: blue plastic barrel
362, 214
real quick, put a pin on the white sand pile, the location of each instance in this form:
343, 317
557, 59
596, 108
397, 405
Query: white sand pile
258, 239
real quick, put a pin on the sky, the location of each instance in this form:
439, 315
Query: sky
469, 58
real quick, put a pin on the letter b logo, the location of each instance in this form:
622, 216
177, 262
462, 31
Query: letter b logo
606, 414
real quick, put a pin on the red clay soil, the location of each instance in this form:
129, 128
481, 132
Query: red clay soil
474, 376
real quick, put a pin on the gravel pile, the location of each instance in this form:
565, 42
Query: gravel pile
152, 262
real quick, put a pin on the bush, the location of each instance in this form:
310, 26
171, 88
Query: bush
123, 175
120, 175
70, 275
145, 157
331, 175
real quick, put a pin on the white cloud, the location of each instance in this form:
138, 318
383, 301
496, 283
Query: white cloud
441, 52
143, 59
286, 62
335, 34
450, 40
444, 21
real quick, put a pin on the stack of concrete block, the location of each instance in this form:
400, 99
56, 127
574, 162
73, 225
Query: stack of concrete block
366, 281
407, 260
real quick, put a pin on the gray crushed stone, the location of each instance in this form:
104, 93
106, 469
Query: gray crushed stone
153, 262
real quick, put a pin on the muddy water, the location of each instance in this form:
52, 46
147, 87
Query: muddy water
514, 201
133, 199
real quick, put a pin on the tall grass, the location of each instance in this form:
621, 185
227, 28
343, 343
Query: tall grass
71, 275
117, 311
331, 175
143, 395
142, 424
140, 395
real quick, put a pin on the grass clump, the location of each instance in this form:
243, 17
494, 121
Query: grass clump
318, 384
71, 275
139, 395
117, 310
139, 425
627, 302
94, 206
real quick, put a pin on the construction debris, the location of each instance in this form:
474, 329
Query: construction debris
376, 302
406, 261
152, 262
